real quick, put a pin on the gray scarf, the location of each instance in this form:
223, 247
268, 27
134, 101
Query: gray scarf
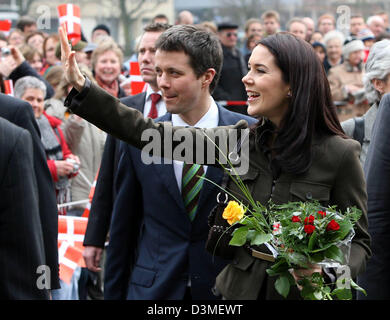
54, 152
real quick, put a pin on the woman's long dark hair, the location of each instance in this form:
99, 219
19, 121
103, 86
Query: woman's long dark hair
311, 110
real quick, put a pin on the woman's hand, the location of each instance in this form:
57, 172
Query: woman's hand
299, 274
17, 55
64, 168
7, 65
72, 72
75, 158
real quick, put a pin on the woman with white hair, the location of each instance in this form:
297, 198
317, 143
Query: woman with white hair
376, 278
58, 154
33, 90
346, 81
333, 41
376, 84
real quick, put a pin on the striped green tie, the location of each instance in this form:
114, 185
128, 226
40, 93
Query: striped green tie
191, 186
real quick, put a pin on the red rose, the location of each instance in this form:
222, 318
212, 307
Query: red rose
295, 219
309, 219
332, 226
309, 229
322, 213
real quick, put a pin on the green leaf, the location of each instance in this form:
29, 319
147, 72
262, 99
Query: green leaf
239, 236
260, 238
279, 267
312, 240
298, 259
282, 285
345, 228
342, 293
356, 287
318, 257
318, 295
307, 289
334, 253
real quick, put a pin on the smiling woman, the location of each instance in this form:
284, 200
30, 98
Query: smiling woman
107, 60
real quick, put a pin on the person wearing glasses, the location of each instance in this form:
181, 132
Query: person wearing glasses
230, 86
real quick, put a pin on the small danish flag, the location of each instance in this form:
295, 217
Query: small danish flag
5, 26
69, 15
8, 87
137, 84
71, 231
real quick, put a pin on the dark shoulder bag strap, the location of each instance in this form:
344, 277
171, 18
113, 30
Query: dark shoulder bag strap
358, 133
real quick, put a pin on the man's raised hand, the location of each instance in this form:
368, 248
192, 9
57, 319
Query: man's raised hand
68, 59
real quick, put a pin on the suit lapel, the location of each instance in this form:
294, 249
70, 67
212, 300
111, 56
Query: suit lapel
137, 101
209, 190
167, 173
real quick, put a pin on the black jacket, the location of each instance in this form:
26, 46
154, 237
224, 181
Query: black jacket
21, 242
20, 113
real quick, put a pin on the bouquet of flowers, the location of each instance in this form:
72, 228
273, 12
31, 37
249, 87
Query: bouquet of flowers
300, 235
304, 234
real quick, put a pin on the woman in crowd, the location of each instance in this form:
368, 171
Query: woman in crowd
376, 84
54, 75
333, 41
49, 52
87, 142
346, 81
107, 61
251, 44
320, 49
33, 91
16, 38
36, 40
298, 150
33, 57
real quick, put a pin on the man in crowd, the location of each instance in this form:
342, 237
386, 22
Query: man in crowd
271, 22
185, 17
20, 113
297, 27
230, 86
326, 23
22, 258
376, 25
356, 25
27, 25
252, 26
101, 30
310, 27
102, 204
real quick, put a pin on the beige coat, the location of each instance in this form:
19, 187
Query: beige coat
87, 142
340, 76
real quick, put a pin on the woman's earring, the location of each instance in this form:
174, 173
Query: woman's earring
289, 95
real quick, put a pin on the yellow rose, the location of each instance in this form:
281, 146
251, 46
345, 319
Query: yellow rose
233, 212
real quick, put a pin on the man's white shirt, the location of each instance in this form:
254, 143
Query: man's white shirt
209, 120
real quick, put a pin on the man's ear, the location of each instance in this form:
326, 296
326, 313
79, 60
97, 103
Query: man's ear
208, 77
379, 85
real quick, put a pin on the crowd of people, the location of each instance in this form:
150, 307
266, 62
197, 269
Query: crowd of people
306, 91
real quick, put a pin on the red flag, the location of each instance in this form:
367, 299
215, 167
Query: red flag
90, 197
137, 84
69, 16
8, 87
71, 231
5, 26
